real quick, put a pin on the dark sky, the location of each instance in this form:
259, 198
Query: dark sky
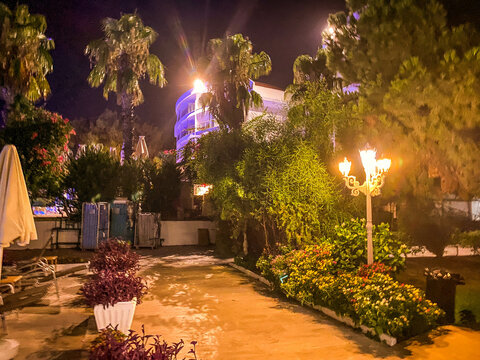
284, 29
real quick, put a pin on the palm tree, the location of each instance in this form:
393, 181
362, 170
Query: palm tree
309, 69
119, 60
228, 70
24, 56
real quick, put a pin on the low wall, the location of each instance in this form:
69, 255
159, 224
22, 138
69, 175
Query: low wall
185, 232
44, 226
174, 233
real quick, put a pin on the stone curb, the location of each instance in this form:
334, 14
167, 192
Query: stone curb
387, 339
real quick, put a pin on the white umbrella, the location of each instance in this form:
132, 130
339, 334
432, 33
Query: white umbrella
16, 217
141, 151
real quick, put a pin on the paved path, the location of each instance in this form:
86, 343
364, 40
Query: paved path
194, 297
233, 317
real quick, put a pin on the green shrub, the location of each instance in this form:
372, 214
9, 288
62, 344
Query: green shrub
93, 176
350, 246
469, 239
161, 186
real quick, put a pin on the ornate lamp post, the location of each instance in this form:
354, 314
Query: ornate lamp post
374, 179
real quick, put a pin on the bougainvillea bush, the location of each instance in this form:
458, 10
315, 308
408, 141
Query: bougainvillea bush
113, 344
41, 138
368, 295
115, 256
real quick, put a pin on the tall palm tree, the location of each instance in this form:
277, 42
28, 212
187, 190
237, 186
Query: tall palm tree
24, 55
228, 69
119, 60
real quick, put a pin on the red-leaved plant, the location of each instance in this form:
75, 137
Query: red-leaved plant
114, 265
113, 344
108, 288
116, 256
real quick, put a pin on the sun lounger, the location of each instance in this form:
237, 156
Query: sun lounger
21, 299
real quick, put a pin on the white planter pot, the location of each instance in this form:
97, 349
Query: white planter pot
120, 315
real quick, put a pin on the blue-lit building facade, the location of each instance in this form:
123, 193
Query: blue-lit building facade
192, 121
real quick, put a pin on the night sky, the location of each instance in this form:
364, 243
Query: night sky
283, 29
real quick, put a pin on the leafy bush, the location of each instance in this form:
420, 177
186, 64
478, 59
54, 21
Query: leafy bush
369, 296
41, 138
350, 246
93, 176
470, 239
289, 189
113, 344
426, 226
161, 186
115, 256
108, 288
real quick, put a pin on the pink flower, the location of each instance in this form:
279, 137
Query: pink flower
34, 135
72, 132
66, 121
60, 158
53, 118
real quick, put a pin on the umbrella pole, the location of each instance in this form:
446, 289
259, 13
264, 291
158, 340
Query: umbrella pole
1, 260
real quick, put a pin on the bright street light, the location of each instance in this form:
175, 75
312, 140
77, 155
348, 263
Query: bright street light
199, 87
374, 179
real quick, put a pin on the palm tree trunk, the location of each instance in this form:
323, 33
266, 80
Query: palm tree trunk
245, 241
128, 117
8, 99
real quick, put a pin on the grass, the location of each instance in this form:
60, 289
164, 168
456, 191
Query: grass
468, 295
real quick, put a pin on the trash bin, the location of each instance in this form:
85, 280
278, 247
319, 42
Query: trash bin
203, 237
441, 288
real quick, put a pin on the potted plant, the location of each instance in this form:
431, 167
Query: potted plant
114, 290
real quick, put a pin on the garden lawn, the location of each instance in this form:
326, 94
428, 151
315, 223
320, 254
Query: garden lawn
468, 295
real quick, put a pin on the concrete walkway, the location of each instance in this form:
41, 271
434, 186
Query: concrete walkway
193, 296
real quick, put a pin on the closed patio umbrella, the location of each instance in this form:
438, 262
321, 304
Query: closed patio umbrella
16, 217
141, 151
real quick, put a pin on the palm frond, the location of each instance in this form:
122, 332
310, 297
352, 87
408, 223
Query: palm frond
110, 84
155, 71
255, 99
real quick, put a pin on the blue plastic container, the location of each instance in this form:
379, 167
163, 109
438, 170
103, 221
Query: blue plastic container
120, 226
89, 226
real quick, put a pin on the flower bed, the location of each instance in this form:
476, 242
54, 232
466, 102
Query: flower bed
369, 296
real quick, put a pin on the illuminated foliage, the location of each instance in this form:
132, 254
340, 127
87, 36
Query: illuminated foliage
418, 90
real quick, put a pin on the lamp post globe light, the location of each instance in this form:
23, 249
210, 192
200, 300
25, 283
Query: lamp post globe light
375, 171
